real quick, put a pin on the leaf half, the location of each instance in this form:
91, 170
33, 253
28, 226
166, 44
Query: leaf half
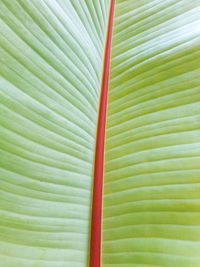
51, 58
151, 201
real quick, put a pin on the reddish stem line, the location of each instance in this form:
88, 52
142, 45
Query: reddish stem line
95, 235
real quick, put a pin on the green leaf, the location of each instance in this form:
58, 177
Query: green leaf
51, 55
151, 201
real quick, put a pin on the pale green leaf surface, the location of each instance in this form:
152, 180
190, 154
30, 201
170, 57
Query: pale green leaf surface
151, 199
51, 55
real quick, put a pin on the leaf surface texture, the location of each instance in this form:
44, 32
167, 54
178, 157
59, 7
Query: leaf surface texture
151, 199
51, 55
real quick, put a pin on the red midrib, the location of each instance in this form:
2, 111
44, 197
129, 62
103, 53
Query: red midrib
95, 235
